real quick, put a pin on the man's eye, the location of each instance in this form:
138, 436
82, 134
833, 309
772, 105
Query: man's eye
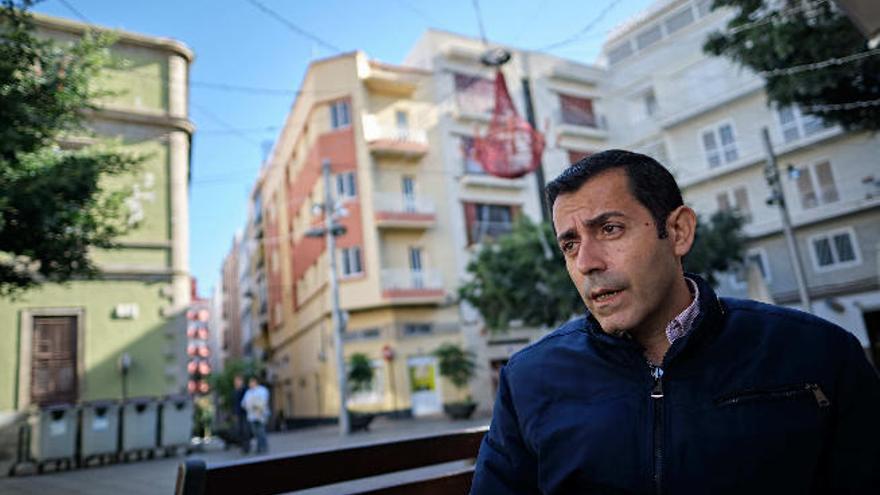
567, 247
609, 229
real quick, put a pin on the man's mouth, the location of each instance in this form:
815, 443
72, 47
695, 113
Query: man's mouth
603, 295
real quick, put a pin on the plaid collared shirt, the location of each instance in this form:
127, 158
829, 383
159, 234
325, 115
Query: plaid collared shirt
681, 324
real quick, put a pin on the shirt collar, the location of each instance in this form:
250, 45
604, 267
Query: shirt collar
682, 324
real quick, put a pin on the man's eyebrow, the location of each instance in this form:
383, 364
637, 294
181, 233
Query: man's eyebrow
596, 221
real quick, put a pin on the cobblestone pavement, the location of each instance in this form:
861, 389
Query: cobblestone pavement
157, 476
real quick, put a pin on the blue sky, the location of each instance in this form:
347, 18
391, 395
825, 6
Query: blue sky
238, 44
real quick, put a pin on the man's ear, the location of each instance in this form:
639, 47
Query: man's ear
681, 225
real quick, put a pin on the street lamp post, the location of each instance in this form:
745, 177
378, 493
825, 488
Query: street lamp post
329, 231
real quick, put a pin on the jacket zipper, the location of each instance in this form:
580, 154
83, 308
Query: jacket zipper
785, 393
657, 397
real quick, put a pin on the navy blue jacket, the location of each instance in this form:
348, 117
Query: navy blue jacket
755, 399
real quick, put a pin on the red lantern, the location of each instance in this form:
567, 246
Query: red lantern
191, 386
204, 368
191, 367
204, 351
191, 349
203, 333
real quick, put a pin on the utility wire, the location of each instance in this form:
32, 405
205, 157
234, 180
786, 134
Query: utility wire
843, 106
586, 29
74, 11
480, 21
243, 89
293, 27
797, 69
770, 17
207, 113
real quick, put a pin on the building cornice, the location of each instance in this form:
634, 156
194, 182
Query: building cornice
142, 117
674, 120
80, 28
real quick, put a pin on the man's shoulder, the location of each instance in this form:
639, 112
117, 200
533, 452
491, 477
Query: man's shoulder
750, 316
536, 352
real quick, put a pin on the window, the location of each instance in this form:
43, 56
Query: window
619, 53
575, 110
416, 329
374, 391
474, 93
719, 145
415, 267
408, 188
346, 186
679, 20
795, 125
816, 185
366, 334
756, 257
487, 221
339, 114
575, 156
657, 151
468, 159
402, 119
836, 249
650, 101
351, 261
649, 37
739, 204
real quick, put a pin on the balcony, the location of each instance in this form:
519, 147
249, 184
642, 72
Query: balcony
390, 80
394, 210
578, 124
485, 230
385, 140
405, 285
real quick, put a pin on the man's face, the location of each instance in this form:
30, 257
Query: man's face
622, 269
252, 383
238, 382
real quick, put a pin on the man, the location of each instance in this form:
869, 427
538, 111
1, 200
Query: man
663, 387
243, 433
256, 403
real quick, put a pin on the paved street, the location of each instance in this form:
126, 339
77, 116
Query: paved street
157, 476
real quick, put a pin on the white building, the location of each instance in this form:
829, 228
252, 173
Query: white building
703, 117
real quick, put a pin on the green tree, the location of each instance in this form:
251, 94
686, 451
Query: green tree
519, 277
768, 36
456, 364
360, 372
53, 209
719, 244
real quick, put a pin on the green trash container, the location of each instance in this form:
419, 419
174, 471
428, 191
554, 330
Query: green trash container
99, 430
53, 435
175, 422
139, 420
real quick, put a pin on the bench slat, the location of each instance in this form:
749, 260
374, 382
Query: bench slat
283, 474
454, 483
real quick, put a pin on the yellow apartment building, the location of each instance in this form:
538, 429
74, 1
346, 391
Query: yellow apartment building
374, 123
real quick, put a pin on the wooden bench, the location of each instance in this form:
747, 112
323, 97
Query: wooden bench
281, 474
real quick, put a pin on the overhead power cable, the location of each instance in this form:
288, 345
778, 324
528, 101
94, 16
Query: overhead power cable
797, 69
831, 107
480, 22
770, 17
586, 29
293, 27
74, 11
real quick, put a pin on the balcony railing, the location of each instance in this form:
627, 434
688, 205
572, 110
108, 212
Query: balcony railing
394, 140
398, 203
406, 280
483, 230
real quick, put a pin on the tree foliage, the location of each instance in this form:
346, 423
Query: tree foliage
765, 36
53, 209
360, 372
456, 364
518, 277
718, 245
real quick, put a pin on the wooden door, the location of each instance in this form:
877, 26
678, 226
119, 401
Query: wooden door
53, 360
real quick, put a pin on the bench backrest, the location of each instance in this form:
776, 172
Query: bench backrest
281, 474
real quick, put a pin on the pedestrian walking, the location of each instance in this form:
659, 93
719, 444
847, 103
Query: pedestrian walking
242, 428
256, 403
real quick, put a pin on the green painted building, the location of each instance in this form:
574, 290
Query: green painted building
64, 342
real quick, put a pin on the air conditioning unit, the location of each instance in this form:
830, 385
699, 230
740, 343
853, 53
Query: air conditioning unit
126, 311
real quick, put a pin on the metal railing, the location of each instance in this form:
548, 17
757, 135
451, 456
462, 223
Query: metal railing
406, 279
398, 203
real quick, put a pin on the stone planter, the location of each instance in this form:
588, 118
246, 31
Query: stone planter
460, 410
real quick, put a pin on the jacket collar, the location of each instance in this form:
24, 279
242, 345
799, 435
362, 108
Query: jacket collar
704, 327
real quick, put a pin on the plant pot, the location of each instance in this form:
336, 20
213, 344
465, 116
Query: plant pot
360, 421
460, 410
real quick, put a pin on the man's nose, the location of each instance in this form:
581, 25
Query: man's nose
590, 258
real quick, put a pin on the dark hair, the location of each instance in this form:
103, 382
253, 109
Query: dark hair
651, 184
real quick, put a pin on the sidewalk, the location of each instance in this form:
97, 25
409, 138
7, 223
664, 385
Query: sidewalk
152, 477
